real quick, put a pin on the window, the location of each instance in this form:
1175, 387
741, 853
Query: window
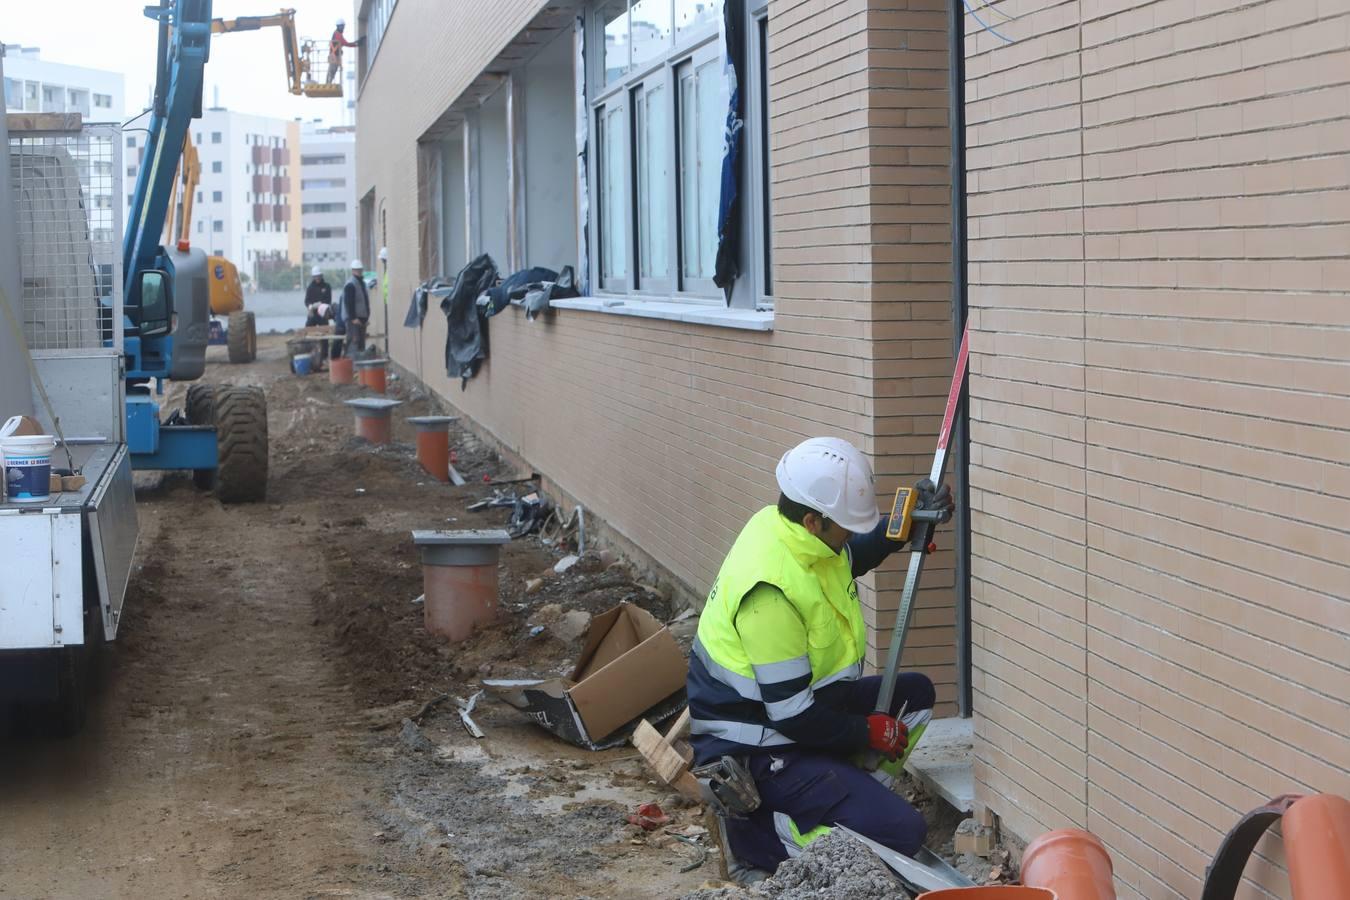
323, 207
702, 106
217, 252
215, 137
130, 198
659, 108
13, 93
307, 183
201, 226
327, 159
103, 101
199, 196
30, 96
131, 171
217, 196
53, 98
609, 142
651, 135
217, 226
131, 141
217, 167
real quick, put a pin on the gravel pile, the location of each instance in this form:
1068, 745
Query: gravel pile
834, 866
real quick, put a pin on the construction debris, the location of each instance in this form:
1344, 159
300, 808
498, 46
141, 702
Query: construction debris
465, 708
834, 866
648, 817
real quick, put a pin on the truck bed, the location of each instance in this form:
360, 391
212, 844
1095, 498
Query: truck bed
43, 551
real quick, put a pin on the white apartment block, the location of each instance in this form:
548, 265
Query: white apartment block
246, 206
34, 84
328, 196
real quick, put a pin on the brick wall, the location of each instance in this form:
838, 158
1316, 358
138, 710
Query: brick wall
1159, 217
669, 431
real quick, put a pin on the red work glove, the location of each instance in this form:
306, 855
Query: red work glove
886, 735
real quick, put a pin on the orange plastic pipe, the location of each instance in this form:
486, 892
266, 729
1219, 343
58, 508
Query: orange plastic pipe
433, 452
1317, 846
340, 370
990, 892
374, 428
374, 378
1071, 863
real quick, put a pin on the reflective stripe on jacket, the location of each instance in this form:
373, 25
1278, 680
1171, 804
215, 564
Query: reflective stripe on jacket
736, 697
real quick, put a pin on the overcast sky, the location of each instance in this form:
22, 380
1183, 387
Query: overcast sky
248, 68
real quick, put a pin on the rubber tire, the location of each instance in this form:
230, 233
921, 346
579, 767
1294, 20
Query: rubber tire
242, 342
69, 711
241, 437
201, 410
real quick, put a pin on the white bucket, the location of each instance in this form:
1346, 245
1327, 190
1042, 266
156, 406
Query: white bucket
28, 465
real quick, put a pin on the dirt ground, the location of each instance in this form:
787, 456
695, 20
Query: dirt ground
249, 736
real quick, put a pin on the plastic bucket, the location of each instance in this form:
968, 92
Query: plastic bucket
302, 363
28, 467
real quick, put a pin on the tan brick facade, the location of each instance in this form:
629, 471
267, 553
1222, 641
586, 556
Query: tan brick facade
1159, 212
670, 431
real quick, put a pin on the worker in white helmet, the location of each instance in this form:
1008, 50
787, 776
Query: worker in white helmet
775, 674
335, 45
356, 308
318, 305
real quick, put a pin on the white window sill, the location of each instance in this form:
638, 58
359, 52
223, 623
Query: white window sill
719, 317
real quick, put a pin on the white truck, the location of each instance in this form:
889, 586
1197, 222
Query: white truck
65, 562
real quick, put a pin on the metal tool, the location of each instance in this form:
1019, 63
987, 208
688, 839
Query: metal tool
728, 787
905, 502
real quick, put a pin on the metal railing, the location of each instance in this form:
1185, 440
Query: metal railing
68, 197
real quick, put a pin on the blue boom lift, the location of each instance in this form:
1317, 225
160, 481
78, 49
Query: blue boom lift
223, 436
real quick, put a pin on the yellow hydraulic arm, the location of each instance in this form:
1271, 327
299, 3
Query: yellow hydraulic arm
299, 71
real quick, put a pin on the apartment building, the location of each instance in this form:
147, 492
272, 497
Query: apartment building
328, 196
34, 84
247, 203
1145, 610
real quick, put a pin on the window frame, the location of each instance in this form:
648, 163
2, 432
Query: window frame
694, 46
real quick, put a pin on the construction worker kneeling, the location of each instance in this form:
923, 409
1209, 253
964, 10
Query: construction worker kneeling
775, 676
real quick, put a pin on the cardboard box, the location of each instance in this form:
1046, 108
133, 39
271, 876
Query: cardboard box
26, 426
629, 666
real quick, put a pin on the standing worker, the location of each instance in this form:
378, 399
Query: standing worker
318, 304
335, 45
356, 308
384, 291
775, 675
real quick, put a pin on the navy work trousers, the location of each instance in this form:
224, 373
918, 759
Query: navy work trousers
813, 788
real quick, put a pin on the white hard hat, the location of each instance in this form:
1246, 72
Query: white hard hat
316, 271
357, 264
384, 253
342, 23
831, 476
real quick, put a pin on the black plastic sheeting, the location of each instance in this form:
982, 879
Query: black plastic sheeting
728, 265
475, 297
466, 344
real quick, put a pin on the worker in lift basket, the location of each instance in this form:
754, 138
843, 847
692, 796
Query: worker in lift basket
775, 675
356, 308
335, 45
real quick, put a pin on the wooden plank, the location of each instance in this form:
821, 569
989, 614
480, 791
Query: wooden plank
679, 728
664, 760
